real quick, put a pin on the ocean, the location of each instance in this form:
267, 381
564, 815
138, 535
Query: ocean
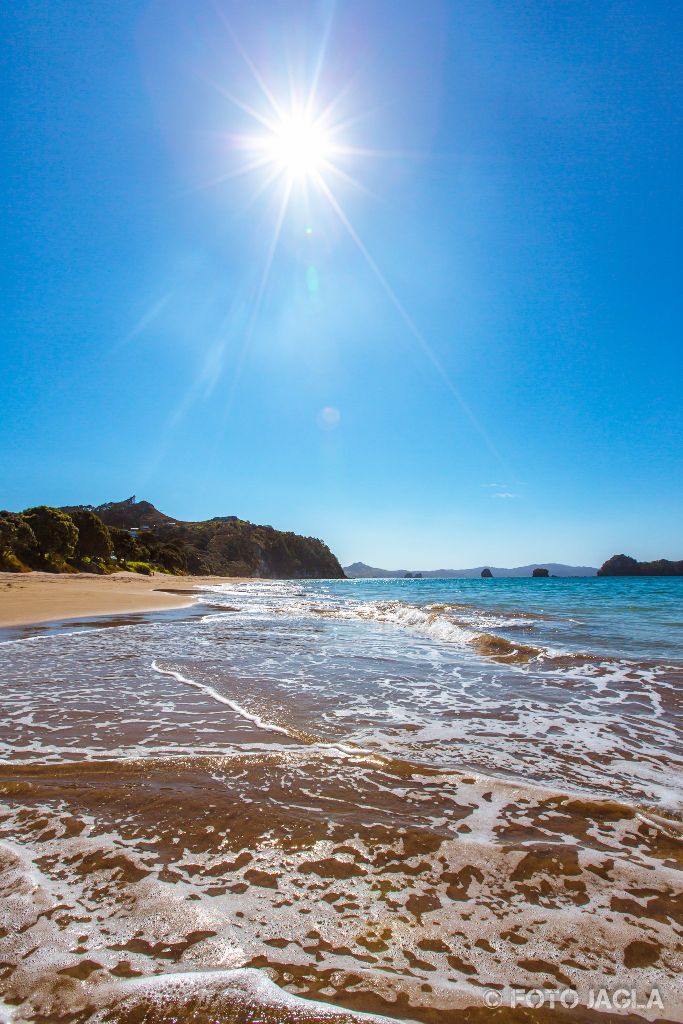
308, 800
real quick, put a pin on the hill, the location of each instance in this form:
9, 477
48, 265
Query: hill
135, 535
624, 565
225, 545
359, 570
129, 513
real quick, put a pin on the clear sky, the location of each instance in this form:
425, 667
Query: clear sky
462, 345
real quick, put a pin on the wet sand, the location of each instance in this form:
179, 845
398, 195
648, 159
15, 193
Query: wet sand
312, 869
29, 598
184, 840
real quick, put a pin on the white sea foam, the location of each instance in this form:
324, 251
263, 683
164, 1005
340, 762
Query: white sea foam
319, 665
451, 624
237, 984
215, 695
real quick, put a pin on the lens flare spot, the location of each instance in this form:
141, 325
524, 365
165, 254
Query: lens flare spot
329, 417
312, 282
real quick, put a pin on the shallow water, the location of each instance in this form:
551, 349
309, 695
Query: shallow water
381, 796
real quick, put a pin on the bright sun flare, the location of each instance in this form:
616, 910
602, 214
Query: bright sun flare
298, 146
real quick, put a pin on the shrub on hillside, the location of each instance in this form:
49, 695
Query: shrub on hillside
18, 546
16, 535
124, 547
94, 539
55, 532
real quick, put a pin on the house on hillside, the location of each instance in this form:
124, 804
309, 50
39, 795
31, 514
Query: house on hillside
135, 531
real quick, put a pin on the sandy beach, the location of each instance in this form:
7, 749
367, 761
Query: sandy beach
29, 598
299, 799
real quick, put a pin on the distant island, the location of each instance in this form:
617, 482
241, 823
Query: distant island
624, 565
617, 565
135, 536
359, 570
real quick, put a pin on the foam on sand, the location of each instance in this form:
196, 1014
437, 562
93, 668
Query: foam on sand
215, 695
365, 883
310, 804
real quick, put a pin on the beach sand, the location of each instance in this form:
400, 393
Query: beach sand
28, 598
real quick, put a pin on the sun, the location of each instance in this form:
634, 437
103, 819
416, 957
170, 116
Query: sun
298, 146
293, 142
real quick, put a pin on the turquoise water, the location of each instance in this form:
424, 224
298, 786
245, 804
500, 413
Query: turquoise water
620, 616
571, 683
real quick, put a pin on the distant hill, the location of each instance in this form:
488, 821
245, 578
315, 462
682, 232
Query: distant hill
359, 570
624, 565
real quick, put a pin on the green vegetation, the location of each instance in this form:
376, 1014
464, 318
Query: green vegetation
94, 540
17, 542
135, 536
123, 546
55, 532
145, 568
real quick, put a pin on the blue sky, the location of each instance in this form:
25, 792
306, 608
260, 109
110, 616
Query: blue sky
497, 339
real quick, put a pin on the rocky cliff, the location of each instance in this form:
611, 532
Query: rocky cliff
228, 546
223, 546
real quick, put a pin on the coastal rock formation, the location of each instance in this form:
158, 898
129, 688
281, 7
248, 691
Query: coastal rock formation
486, 574
224, 545
134, 535
539, 573
624, 565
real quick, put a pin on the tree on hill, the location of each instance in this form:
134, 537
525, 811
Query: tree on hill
125, 547
17, 539
55, 532
94, 539
171, 556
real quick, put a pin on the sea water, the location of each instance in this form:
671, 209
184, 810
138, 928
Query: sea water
380, 795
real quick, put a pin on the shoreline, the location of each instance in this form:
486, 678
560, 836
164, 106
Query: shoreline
29, 599
176, 802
